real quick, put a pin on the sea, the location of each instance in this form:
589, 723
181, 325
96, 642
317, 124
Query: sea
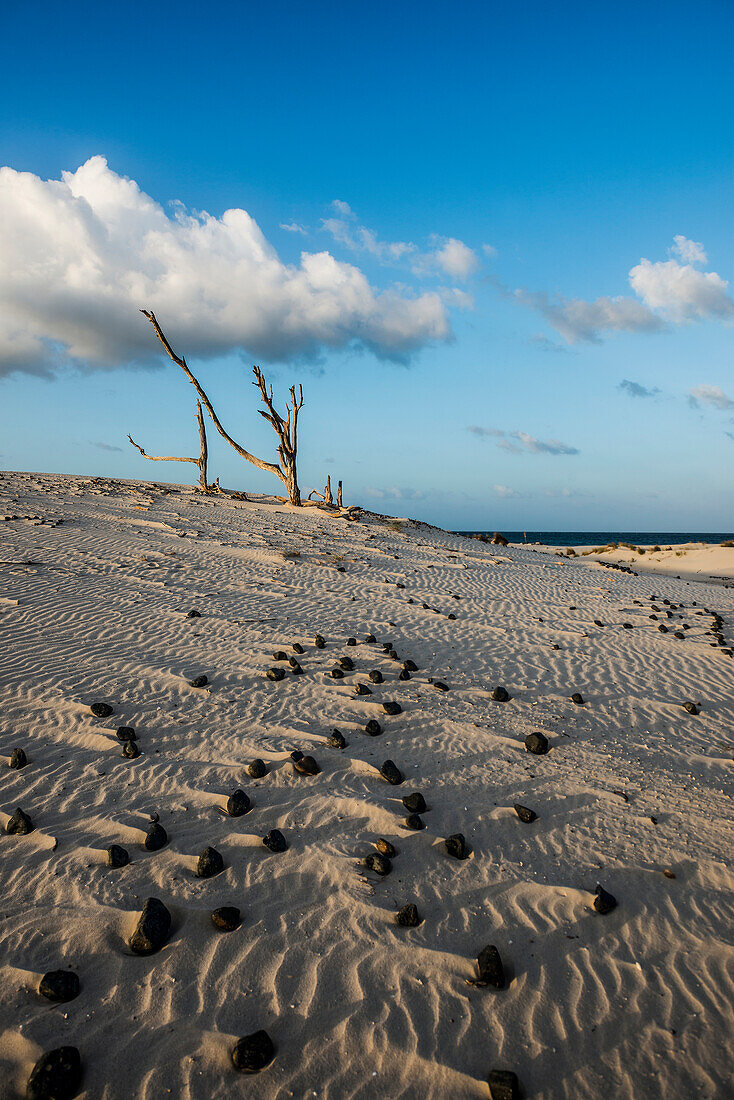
603, 538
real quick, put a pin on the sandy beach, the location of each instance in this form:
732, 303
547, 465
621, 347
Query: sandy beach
99, 582
697, 561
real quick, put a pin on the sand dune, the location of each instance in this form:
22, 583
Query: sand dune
637, 1003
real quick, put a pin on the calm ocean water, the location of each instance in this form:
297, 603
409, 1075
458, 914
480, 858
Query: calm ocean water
601, 538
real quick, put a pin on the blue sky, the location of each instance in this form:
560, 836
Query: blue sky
461, 227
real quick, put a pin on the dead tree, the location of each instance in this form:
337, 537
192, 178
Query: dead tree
201, 461
339, 500
286, 430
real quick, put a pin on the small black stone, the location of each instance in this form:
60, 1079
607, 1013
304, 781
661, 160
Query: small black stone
392, 708
318, 641
296, 755
101, 710
199, 681
691, 707
18, 759
238, 803
604, 902
346, 663
275, 674
351, 641
279, 655
408, 916
117, 856
456, 846
524, 813
410, 666
306, 766
193, 614
415, 803
491, 970
209, 864
275, 841
393, 654
131, 750
296, 668
375, 676
361, 689
253, 1052
598, 622
126, 733
679, 634
386, 848
373, 728
627, 626
391, 773
414, 821
153, 928
370, 639
501, 695
403, 674
59, 985
19, 824
298, 648
503, 1085
439, 685
380, 864
257, 768
56, 1075
663, 629
577, 698
226, 918
537, 744
337, 740
156, 837
336, 674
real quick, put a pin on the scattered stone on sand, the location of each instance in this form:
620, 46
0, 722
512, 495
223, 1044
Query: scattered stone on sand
361, 689
386, 848
296, 755
375, 676
209, 863
378, 863
226, 918
679, 634
199, 681
391, 707
410, 666
275, 841
238, 803
598, 622
337, 674
691, 707
253, 1052
275, 674
668, 873
391, 773
193, 614
439, 685
627, 626
663, 629
393, 654
577, 698
403, 674
337, 740
306, 766
131, 750
408, 916
373, 728
280, 655
415, 803
101, 710
346, 663
456, 846
501, 695
537, 744
57, 1075
491, 970
524, 813
296, 668
415, 822
370, 639
19, 824
117, 856
503, 1085
257, 769
153, 928
126, 733
18, 759
59, 985
156, 837
604, 902
351, 641
298, 648
319, 641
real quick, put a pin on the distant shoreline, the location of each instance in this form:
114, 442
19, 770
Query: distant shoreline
587, 539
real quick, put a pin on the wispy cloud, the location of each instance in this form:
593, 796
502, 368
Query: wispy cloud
709, 395
104, 446
395, 493
294, 227
506, 493
634, 389
518, 442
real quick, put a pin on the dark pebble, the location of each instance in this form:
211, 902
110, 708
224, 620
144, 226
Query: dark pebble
663, 629
306, 766
257, 768
117, 856
439, 685
415, 803
503, 1085
403, 674
373, 728
627, 626
59, 985
131, 750
392, 708
101, 710
408, 916
253, 1052
536, 743
275, 841
351, 641
238, 803
386, 848
414, 821
19, 824
524, 813
337, 740
391, 773
18, 759
491, 970
679, 634
598, 622
153, 928
336, 674
370, 639
501, 695
156, 837
361, 689
375, 676
279, 655
296, 668
691, 707
298, 648
193, 614
296, 755
380, 864
604, 902
226, 918
57, 1075
346, 663
126, 733
577, 698
318, 641
456, 846
275, 674
199, 681
209, 864
410, 666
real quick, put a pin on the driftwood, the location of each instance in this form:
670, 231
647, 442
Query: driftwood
201, 461
286, 430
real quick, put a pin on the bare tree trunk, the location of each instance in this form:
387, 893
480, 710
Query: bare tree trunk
286, 430
328, 498
201, 461
339, 500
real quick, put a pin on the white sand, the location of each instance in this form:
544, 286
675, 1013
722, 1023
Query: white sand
638, 1003
689, 560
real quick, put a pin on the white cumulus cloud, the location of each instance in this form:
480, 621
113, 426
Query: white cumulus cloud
81, 255
691, 252
709, 395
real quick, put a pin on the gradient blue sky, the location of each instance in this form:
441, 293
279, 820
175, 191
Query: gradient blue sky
523, 206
